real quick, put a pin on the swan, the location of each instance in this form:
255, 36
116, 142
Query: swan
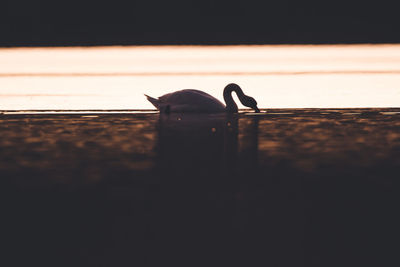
190, 100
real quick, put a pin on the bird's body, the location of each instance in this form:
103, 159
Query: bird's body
190, 100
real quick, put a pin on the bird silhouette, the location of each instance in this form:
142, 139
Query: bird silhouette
190, 100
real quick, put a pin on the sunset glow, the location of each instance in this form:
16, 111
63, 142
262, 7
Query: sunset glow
282, 76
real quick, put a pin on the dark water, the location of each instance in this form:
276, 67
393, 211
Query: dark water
285, 188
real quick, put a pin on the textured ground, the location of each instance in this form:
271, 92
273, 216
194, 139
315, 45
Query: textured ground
287, 187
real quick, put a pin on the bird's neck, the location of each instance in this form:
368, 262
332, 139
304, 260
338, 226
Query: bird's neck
230, 103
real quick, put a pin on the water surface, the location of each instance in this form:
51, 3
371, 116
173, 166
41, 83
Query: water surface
92, 175
280, 76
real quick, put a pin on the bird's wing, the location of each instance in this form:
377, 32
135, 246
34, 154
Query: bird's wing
189, 96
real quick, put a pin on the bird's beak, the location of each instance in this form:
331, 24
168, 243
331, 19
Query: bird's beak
256, 109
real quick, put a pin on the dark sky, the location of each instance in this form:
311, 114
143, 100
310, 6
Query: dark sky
79, 22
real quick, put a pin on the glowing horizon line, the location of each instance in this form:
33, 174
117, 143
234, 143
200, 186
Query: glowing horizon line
225, 73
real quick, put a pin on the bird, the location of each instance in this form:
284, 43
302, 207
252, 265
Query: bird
196, 101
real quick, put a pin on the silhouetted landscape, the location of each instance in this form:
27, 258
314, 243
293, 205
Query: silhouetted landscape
60, 23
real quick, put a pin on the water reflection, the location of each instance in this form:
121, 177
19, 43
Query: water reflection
204, 160
206, 145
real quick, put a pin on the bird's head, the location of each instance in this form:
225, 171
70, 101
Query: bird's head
250, 102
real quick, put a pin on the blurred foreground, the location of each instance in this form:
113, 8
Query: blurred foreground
305, 187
